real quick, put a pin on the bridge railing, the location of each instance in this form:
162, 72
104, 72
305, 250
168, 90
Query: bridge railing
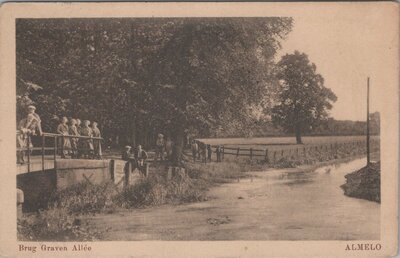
54, 148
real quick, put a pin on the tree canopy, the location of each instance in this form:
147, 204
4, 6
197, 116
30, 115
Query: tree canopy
303, 100
143, 76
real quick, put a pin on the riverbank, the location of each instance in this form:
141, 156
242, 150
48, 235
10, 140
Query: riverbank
364, 183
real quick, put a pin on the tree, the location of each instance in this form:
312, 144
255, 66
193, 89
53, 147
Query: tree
139, 77
303, 100
213, 70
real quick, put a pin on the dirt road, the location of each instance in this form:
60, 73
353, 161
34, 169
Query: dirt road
290, 204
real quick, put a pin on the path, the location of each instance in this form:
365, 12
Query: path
275, 205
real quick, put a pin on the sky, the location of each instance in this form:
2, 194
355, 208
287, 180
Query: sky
347, 47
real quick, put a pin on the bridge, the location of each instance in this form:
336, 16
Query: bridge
46, 171
49, 144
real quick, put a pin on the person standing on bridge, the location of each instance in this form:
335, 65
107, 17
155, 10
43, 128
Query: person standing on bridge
96, 143
34, 122
87, 144
65, 141
30, 125
160, 145
79, 142
73, 130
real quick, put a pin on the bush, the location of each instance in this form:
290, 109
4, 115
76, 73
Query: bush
54, 225
216, 171
156, 190
84, 198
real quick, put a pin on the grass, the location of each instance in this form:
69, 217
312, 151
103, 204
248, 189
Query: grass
281, 142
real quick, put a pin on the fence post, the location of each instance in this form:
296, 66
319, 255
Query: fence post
223, 152
251, 153
43, 143
62, 145
266, 156
237, 153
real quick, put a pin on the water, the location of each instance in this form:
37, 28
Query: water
314, 201
274, 205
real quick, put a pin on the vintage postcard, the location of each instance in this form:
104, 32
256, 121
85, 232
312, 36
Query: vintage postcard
199, 129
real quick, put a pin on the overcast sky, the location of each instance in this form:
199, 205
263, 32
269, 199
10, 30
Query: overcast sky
346, 47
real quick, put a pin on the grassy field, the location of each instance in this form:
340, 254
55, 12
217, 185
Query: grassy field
263, 142
281, 149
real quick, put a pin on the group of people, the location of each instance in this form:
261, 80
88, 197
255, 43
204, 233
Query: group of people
203, 152
76, 147
86, 147
136, 159
69, 145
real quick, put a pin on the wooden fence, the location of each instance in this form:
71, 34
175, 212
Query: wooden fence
274, 153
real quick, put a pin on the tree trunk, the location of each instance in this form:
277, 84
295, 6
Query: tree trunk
133, 134
298, 135
178, 146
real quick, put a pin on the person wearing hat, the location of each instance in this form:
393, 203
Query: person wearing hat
34, 122
86, 144
73, 130
79, 141
28, 126
160, 145
63, 129
96, 143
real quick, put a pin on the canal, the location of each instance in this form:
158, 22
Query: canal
284, 204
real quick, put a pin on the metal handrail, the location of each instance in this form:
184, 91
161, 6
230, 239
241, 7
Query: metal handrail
55, 136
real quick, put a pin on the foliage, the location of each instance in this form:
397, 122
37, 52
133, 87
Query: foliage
84, 198
54, 225
303, 100
156, 190
134, 74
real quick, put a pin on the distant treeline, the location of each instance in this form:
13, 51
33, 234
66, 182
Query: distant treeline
329, 127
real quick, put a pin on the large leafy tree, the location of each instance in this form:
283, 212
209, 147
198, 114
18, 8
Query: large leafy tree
303, 100
214, 70
138, 77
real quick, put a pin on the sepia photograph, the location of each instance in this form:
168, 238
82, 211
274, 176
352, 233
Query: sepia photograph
201, 128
